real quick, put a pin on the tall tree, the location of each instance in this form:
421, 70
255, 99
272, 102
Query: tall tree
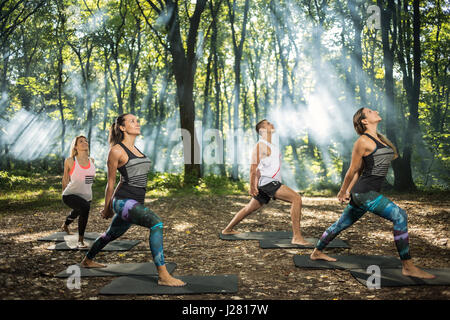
389, 44
12, 15
410, 65
238, 46
184, 63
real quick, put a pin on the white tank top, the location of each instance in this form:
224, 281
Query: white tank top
81, 179
270, 166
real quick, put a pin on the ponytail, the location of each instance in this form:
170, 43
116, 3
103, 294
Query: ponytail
115, 134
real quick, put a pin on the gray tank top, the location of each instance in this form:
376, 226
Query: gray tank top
133, 177
376, 166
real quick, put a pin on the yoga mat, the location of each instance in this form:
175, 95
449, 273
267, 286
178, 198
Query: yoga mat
394, 278
346, 262
257, 235
63, 236
116, 245
195, 285
119, 269
286, 243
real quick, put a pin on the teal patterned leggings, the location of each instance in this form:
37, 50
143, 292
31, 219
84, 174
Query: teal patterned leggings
376, 203
128, 212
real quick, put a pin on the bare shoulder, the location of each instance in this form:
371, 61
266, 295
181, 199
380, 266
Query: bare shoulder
69, 161
116, 152
363, 144
363, 140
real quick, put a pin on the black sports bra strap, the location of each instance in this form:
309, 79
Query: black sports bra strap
375, 140
139, 151
129, 153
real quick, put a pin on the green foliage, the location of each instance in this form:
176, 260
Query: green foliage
164, 184
26, 191
165, 181
322, 188
107, 48
10, 182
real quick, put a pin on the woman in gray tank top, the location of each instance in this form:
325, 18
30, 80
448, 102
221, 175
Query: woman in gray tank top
126, 202
372, 154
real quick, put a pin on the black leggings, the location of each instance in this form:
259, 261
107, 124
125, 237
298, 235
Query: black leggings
80, 208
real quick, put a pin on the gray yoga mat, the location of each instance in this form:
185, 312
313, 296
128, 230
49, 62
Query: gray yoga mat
347, 262
116, 245
286, 243
134, 285
119, 269
263, 235
63, 236
394, 278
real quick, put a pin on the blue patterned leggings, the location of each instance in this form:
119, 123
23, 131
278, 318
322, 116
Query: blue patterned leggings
376, 203
128, 212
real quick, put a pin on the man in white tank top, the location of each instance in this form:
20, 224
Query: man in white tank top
265, 183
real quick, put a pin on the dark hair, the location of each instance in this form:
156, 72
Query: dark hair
115, 134
357, 121
258, 125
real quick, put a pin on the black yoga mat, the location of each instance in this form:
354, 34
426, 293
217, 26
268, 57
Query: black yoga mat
63, 236
133, 285
118, 269
346, 262
394, 278
286, 243
263, 235
116, 245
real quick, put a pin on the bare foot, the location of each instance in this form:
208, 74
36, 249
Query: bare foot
65, 228
86, 263
301, 241
170, 281
413, 271
225, 231
318, 255
81, 245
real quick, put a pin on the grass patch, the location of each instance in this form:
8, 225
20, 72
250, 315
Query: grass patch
167, 184
25, 192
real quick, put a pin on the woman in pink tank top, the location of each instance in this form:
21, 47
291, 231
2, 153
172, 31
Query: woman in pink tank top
79, 173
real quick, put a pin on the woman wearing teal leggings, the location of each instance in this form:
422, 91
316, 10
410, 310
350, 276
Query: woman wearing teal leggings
372, 154
126, 203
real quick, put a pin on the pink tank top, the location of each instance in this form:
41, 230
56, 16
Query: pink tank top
81, 179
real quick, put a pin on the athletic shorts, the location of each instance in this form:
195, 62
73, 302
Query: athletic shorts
267, 191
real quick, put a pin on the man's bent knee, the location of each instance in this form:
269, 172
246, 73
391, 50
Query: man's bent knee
296, 200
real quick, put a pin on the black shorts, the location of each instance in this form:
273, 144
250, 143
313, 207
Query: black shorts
267, 191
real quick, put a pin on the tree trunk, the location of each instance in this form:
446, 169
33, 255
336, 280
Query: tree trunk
388, 62
217, 94
206, 119
412, 87
237, 49
184, 68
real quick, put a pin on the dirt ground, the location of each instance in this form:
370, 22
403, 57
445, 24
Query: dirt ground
191, 227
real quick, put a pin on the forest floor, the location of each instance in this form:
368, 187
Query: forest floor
191, 227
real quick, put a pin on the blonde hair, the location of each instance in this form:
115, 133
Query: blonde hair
73, 150
361, 128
